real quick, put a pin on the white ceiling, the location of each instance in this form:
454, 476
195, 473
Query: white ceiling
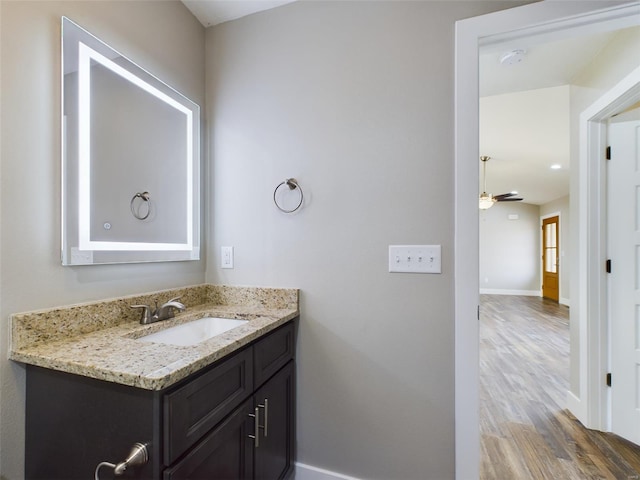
523, 151
213, 12
525, 133
546, 64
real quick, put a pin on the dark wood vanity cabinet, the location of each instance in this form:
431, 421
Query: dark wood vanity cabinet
231, 452
203, 428
256, 438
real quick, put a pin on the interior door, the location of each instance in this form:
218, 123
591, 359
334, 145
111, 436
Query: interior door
623, 244
551, 258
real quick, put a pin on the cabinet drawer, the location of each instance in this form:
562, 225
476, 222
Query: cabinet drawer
273, 352
194, 409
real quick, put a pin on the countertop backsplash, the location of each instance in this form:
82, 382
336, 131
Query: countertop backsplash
47, 325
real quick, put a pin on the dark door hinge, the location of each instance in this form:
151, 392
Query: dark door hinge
478, 312
608, 156
608, 379
608, 266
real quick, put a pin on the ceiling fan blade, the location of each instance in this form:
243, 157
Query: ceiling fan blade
504, 195
509, 199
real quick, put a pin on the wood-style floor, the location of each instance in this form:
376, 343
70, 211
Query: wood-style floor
526, 432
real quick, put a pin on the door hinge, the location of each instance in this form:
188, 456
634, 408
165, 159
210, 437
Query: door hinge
608, 379
478, 312
608, 154
608, 266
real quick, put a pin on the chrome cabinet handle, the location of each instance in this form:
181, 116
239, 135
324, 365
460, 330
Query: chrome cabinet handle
256, 427
266, 416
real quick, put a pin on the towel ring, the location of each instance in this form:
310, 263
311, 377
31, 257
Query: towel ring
292, 183
145, 200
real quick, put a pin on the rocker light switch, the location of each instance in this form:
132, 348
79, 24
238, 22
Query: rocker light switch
415, 259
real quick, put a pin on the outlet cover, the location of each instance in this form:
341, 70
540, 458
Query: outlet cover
226, 257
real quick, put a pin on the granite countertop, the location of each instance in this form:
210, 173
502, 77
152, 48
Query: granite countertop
110, 350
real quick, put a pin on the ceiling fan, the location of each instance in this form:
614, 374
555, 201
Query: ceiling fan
487, 200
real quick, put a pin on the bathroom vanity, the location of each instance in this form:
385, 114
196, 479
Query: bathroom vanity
223, 408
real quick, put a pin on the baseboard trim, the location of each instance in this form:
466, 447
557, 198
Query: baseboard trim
308, 472
498, 291
565, 301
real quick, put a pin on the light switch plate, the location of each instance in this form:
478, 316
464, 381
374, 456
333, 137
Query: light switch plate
226, 257
415, 259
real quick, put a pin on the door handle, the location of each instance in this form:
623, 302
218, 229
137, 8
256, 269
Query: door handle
256, 427
265, 405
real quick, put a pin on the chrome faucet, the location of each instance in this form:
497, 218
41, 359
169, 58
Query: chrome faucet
165, 311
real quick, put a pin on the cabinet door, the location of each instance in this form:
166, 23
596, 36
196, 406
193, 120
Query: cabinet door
224, 454
276, 401
73, 423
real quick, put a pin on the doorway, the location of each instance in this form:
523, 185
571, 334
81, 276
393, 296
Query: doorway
544, 18
551, 258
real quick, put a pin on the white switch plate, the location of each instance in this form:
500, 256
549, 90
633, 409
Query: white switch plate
226, 255
415, 258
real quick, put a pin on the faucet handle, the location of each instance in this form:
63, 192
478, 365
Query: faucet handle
146, 313
174, 299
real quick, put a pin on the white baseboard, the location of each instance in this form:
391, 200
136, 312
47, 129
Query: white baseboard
565, 301
498, 291
307, 472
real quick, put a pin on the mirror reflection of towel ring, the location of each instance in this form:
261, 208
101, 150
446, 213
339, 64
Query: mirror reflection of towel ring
293, 185
145, 201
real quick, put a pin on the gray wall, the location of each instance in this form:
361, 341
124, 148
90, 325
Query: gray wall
510, 249
354, 100
164, 38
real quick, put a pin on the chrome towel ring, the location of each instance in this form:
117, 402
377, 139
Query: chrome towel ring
144, 196
292, 183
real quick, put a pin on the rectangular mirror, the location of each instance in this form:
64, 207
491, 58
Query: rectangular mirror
130, 159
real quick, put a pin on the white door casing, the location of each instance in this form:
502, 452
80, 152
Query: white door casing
592, 406
623, 248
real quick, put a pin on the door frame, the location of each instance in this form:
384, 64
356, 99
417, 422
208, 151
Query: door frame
560, 242
594, 403
540, 19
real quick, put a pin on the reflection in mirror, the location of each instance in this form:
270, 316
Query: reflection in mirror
130, 160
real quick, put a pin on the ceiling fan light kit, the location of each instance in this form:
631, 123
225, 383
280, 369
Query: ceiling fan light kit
486, 201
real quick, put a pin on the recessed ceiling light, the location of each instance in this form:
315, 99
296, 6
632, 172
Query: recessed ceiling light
556, 166
513, 192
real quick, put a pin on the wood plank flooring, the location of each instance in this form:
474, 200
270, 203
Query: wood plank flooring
525, 432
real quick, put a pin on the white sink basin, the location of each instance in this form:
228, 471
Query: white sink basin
193, 332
